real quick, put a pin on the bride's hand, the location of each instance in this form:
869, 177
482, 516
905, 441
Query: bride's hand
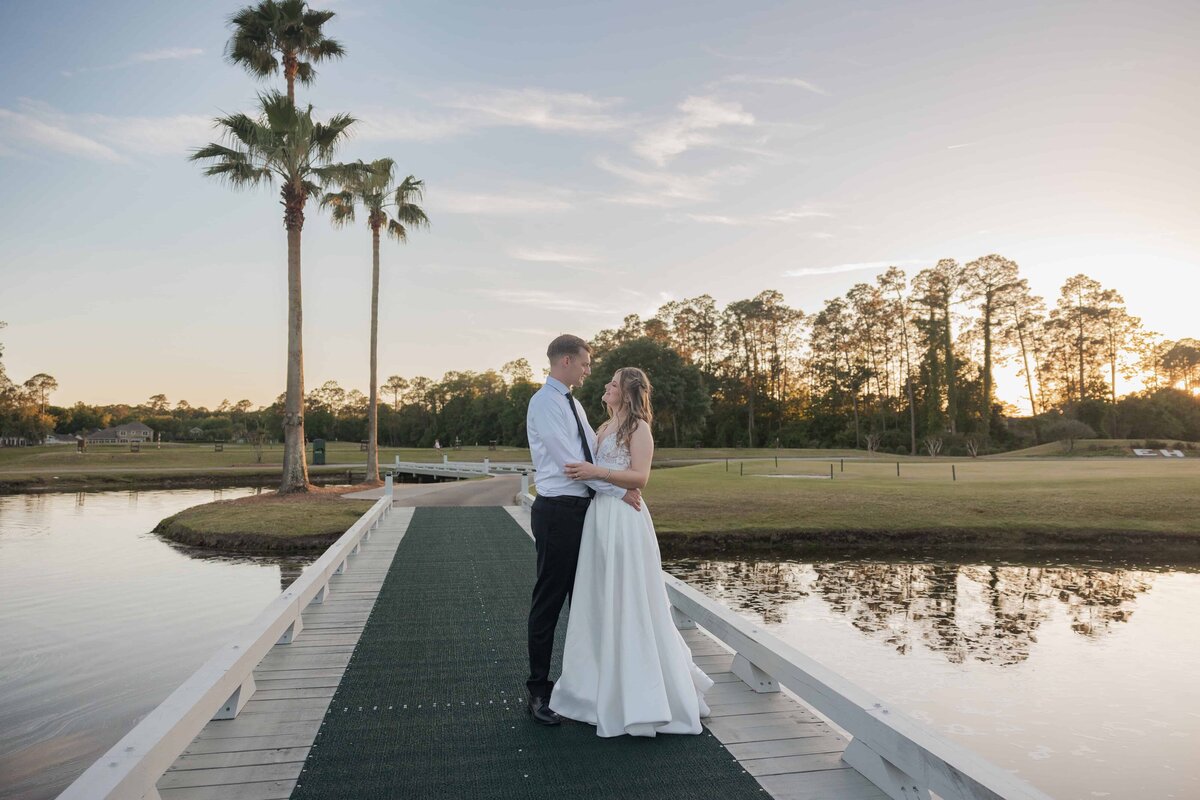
582, 471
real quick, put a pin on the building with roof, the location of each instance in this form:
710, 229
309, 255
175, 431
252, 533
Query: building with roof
122, 434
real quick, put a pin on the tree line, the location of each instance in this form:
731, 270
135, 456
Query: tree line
897, 364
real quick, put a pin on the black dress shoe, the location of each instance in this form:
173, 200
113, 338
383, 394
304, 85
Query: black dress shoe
539, 707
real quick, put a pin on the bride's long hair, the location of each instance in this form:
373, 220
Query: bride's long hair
635, 399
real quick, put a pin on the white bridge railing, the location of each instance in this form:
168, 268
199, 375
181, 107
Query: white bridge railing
459, 469
899, 755
221, 687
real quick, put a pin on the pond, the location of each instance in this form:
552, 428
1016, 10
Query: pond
1079, 678
101, 620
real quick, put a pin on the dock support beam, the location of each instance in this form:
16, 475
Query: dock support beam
292, 631
890, 779
235, 703
682, 622
752, 676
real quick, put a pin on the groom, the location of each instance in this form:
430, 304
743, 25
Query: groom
559, 434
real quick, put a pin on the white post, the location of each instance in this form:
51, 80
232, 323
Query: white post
895, 782
752, 676
293, 630
524, 483
388, 491
445, 459
319, 599
486, 462
682, 621
237, 700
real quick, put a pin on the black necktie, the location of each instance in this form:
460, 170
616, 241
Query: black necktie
587, 451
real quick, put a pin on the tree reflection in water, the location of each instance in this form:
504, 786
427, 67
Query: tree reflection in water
965, 611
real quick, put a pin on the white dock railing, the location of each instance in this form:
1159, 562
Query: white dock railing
899, 755
221, 687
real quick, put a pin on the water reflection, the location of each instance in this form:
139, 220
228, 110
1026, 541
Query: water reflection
987, 613
101, 619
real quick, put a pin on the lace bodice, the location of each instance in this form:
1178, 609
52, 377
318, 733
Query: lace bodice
611, 455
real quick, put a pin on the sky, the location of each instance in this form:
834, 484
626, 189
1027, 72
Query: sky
583, 161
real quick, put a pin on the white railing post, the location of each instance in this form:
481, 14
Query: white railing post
891, 780
752, 676
682, 621
241, 695
486, 462
388, 489
524, 483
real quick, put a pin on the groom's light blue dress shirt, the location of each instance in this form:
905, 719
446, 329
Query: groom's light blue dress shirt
554, 442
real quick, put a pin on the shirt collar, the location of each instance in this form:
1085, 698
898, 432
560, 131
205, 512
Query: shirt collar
557, 385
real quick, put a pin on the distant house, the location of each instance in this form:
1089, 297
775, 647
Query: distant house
13, 441
195, 433
61, 438
122, 434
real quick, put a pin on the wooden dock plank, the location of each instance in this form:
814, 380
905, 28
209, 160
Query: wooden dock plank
248, 758
259, 755
837, 784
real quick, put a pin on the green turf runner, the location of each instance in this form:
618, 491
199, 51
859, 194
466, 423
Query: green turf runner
432, 704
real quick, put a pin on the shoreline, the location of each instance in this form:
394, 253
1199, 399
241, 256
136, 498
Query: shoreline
1100, 545
117, 481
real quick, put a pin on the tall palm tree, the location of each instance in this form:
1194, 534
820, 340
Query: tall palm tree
287, 31
387, 206
283, 143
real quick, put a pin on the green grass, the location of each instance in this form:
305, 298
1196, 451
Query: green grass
187, 456
1004, 499
1093, 448
266, 522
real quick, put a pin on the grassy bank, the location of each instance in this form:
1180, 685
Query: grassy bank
1046, 505
61, 468
266, 523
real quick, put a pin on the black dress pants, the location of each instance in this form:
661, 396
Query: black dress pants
557, 524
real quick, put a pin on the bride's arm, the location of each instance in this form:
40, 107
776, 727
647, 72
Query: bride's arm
641, 453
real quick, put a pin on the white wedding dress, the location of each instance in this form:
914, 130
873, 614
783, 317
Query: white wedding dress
626, 668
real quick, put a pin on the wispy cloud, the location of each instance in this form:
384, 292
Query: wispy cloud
552, 255
516, 204
539, 108
99, 137
791, 215
146, 57
166, 54
700, 117
19, 131
665, 189
549, 301
389, 125
805, 272
959, 146
774, 218
763, 80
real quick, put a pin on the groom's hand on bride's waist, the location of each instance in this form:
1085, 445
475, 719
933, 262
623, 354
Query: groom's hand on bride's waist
634, 498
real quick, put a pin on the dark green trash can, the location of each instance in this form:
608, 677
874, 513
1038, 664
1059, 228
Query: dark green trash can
318, 452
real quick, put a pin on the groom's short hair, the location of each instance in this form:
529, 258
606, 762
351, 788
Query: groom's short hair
566, 345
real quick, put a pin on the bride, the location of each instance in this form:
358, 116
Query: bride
626, 669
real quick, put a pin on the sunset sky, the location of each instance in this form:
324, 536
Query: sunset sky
582, 163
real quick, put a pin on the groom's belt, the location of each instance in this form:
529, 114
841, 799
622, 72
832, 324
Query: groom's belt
564, 500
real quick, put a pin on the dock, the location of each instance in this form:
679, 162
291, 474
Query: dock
402, 675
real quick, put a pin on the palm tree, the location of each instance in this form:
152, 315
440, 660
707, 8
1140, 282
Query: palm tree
372, 187
287, 30
283, 143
